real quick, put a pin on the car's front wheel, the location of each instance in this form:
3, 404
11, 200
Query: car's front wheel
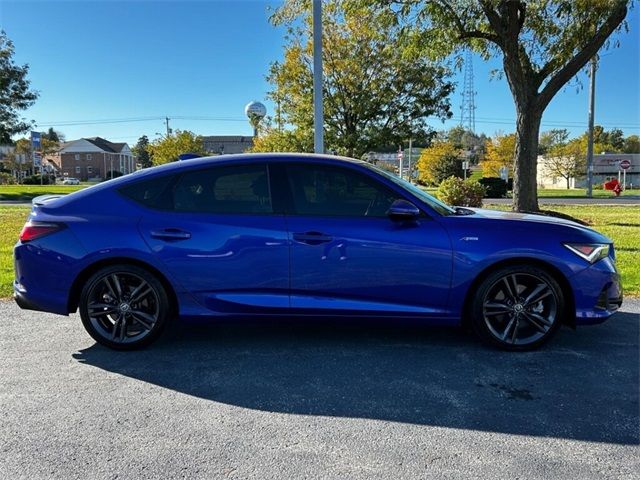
124, 307
517, 307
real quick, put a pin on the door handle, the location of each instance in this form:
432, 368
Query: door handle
170, 234
312, 238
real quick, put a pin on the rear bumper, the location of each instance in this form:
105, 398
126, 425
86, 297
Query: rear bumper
27, 301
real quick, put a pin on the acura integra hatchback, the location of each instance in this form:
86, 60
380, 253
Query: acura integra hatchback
299, 235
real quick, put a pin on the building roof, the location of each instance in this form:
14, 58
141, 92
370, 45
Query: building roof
106, 145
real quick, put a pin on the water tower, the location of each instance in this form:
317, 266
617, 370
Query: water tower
255, 111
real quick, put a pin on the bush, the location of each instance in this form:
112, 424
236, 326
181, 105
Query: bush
461, 193
35, 180
112, 174
7, 179
495, 187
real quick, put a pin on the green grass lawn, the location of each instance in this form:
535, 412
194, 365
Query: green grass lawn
27, 192
620, 223
561, 192
12, 219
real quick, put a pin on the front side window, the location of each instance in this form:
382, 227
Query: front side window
324, 190
242, 189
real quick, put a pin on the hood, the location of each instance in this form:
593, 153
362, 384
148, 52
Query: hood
527, 217
532, 219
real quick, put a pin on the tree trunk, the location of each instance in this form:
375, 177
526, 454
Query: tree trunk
568, 183
525, 189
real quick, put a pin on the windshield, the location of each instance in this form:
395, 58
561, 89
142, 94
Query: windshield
433, 202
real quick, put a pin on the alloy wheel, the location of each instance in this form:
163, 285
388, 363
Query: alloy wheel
520, 309
123, 307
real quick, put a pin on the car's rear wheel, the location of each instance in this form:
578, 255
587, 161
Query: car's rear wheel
518, 307
124, 307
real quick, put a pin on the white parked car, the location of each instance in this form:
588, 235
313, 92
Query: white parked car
71, 181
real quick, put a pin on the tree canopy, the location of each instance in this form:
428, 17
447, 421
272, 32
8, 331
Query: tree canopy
500, 153
141, 151
441, 160
373, 96
15, 92
168, 149
543, 45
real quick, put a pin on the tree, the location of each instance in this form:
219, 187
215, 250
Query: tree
438, 162
543, 45
141, 151
15, 92
566, 159
501, 152
373, 96
53, 135
271, 139
168, 149
632, 144
551, 139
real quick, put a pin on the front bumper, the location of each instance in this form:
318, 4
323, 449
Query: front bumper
598, 292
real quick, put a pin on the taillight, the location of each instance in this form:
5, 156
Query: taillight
33, 230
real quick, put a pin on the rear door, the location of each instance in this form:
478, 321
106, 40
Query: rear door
347, 256
220, 237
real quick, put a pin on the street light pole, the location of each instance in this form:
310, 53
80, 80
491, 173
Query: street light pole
592, 98
318, 114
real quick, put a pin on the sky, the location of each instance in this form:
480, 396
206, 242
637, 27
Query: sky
117, 69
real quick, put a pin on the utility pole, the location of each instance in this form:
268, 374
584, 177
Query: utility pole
592, 99
166, 121
318, 114
409, 159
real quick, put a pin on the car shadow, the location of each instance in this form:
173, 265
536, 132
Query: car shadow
582, 386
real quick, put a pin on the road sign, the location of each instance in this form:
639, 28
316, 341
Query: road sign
35, 140
37, 159
625, 164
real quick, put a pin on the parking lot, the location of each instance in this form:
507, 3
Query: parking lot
316, 401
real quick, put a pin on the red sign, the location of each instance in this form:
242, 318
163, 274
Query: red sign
625, 164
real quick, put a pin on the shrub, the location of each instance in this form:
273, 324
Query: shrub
461, 193
6, 179
495, 187
35, 180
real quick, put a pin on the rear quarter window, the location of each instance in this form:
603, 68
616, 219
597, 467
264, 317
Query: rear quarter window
153, 193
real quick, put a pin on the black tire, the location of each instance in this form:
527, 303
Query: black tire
517, 308
124, 307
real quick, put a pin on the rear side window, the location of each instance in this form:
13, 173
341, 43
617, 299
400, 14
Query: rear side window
152, 193
231, 189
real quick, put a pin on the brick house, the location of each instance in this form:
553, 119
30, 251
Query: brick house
94, 157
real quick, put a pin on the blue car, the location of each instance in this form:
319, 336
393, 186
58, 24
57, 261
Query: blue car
275, 235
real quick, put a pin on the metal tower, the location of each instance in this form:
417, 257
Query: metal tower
468, 107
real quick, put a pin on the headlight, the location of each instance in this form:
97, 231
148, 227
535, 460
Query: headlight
591, 252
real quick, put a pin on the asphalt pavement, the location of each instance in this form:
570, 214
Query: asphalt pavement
316, 401
625, 200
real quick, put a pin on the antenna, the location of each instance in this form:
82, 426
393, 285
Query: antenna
468, 107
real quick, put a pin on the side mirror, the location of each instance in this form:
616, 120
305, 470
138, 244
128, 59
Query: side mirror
403, 210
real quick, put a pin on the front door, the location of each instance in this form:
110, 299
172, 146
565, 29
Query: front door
347, 256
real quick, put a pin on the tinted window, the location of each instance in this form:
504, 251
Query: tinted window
233, 189
152, 193
333, 191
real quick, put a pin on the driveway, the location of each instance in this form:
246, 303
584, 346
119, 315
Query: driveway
316, 401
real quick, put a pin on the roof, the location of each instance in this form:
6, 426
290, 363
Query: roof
227, 138
106, 145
